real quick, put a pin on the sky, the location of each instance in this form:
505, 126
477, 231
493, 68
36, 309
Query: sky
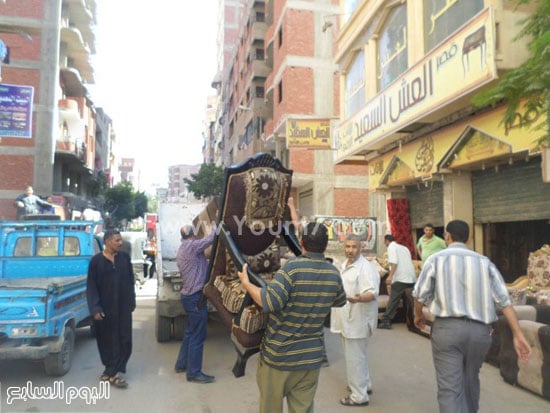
154, 65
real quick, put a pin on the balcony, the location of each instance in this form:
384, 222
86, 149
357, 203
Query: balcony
68, 109
82, 15
71, 82
259, 29
72, 37
70, 147
76, 53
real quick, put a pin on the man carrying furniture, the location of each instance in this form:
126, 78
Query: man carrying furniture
462, 289
298, 299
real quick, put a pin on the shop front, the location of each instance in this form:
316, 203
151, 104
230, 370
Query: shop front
479, 171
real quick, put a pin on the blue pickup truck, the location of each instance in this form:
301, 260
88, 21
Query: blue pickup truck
43, 269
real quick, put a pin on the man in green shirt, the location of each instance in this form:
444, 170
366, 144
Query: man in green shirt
298, 300
429, 243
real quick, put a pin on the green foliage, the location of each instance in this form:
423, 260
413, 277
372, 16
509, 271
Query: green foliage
141, 203
99, 185
119, 203
208, 182
531, 80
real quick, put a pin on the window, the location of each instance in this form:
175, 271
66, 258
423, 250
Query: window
260, 16
280, 88
46, 246
71, 246
443, 17
22, 247
280, 37
259, 54
392, 47
355, 85
349, 8
259, 91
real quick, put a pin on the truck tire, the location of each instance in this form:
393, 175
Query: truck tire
57, 364
163, 328
179, 327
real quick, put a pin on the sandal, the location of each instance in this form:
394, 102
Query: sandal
104, 377
346, 401
118, 381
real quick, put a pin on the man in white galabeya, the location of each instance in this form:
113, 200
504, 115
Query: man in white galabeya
358, 320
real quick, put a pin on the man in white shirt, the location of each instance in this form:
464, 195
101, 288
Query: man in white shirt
402, 276
359, 315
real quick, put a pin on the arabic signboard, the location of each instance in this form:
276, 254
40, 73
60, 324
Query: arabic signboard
308, 133
340, 227
461, 64
16, 111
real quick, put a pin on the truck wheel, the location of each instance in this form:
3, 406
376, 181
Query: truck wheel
57, 364
179, 327
163, 325
163, 328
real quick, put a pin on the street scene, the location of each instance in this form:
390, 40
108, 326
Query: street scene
274, 206
401, 366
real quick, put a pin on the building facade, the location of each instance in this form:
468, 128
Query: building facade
177, 188
279, 83
409, 71
53, 142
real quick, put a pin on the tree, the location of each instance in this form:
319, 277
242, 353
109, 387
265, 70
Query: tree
141, 204
531, 80
99, 184
208, 182
119, 203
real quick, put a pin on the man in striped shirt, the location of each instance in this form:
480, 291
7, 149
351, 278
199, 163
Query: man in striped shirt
298, 299
463, 290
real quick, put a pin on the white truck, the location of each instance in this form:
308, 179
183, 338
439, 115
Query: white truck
169, 312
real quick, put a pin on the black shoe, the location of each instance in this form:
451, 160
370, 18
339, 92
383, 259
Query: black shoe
385, 325
180, 370
201, 378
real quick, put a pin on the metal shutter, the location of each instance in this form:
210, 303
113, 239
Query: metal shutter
426, 204
514, 193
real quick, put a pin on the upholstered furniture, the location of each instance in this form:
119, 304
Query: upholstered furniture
538, 273
410, 316
533, 288
534, 375
251, 225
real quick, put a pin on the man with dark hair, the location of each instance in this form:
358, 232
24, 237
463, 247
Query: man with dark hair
461, 334
402, 276
429, 243
111, 300
298, 299
192, 266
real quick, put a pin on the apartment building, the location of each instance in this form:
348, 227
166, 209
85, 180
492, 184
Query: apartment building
177, 188
408, 72
48, 129
278, 86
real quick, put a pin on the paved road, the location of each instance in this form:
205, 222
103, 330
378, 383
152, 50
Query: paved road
400, 364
